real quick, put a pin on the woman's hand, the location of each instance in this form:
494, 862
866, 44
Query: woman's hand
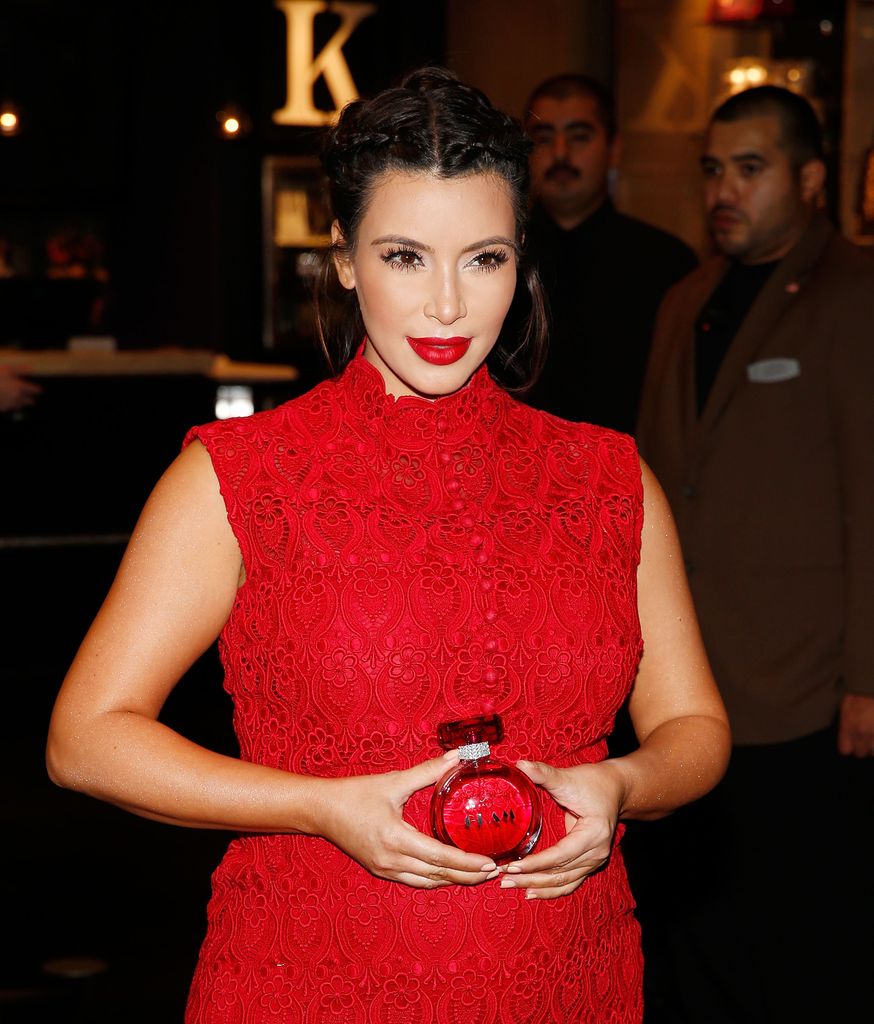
16, 391
591, 795
362, 815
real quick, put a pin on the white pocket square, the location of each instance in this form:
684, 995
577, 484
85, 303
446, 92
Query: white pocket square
772, 371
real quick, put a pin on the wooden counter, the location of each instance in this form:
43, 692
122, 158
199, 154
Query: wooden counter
157, 362
80, 462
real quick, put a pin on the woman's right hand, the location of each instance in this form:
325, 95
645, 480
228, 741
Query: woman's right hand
362, 815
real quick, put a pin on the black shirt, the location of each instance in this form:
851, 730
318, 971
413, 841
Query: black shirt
721, 318
604, 280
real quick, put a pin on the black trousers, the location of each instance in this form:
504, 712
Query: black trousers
751, 900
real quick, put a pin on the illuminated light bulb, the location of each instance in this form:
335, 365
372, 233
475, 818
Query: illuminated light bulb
9, 121
756, 74
737, 76
794, 74
826, 27
233, 122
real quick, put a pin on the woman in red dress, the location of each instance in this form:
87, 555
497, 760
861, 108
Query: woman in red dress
404, 545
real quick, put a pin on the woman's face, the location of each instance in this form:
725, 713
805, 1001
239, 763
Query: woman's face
434, 267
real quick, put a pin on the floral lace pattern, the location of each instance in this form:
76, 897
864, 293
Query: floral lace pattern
409, 562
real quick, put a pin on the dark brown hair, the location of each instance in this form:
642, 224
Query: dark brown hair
562, 87
432, 124
801, 134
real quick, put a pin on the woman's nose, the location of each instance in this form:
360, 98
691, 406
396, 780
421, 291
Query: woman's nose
446, 303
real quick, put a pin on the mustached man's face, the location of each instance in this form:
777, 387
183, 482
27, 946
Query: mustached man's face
571, 157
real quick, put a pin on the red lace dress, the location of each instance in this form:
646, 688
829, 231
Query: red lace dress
409, 562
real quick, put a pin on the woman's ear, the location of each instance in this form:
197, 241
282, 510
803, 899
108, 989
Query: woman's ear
342, 261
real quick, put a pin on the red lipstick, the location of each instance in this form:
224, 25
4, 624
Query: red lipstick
440, 351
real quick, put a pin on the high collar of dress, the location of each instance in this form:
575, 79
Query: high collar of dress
476, 405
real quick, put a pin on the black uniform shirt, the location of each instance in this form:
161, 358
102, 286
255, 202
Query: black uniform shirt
721, 318
604, 280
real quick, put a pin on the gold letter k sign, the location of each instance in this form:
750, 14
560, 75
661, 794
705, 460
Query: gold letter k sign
303, 69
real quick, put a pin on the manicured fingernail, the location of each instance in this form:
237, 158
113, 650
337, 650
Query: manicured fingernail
514, 869
489, 866
507, 883
493, 874
530, 895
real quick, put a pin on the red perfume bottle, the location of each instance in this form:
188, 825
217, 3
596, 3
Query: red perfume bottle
481, 805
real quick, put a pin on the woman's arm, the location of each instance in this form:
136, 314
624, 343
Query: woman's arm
172, 595
677, 714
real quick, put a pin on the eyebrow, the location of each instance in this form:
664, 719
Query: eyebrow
734, 158
539, 123
413, 244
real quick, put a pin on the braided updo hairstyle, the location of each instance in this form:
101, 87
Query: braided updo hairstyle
430, 124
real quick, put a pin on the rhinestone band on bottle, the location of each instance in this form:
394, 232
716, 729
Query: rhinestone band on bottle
474, 751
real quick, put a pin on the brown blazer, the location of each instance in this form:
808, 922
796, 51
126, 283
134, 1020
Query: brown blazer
773, 486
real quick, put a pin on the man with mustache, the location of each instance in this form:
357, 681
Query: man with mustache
758, 419
604, 273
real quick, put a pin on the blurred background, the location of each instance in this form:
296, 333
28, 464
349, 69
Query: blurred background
160, 207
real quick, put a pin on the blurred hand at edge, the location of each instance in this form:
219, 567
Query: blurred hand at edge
16, 392
856, 725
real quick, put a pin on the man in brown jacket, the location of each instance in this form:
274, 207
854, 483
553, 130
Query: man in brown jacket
758, 419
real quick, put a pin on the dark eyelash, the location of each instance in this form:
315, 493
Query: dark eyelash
387, 257
498, 255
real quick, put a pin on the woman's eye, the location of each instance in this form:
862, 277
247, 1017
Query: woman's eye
405, 259
490, 260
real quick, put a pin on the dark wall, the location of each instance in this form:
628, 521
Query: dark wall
816, 32
118, 107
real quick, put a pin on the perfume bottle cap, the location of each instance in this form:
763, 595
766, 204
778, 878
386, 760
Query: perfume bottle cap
467, 732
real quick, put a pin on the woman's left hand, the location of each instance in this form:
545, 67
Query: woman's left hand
591, 795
